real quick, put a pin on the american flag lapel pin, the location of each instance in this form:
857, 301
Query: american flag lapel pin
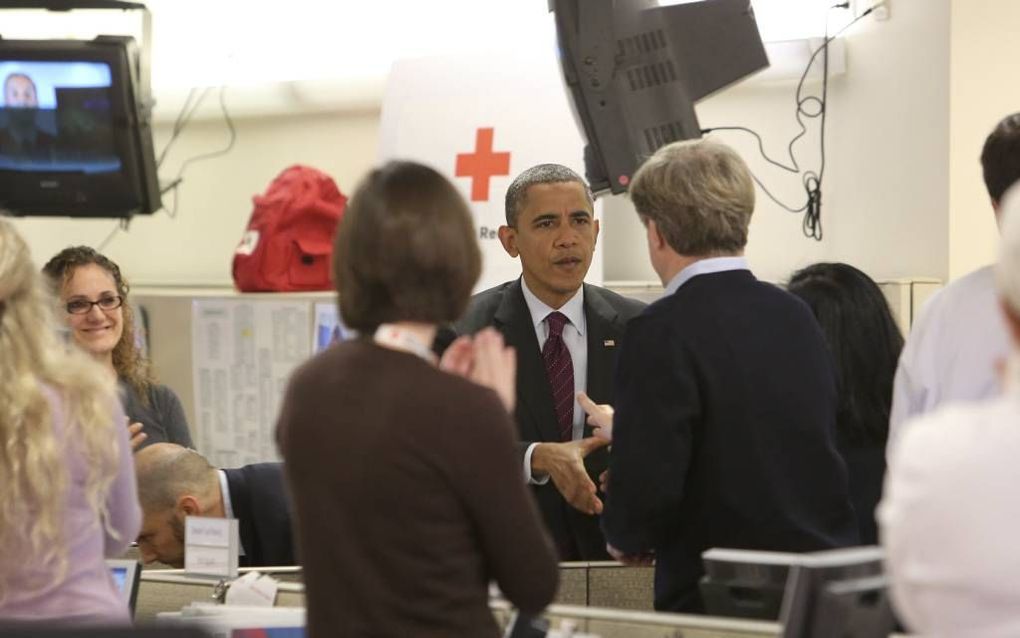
609, 343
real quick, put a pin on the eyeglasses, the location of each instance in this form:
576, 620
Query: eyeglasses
84, 306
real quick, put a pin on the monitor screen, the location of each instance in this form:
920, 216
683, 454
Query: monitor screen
119, 577
75, 131
57, 116
126, 575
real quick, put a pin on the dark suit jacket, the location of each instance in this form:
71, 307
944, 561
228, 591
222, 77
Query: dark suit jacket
576, 534
261, 505
724, 433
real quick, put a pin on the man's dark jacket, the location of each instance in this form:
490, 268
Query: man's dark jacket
577, 535
258, 496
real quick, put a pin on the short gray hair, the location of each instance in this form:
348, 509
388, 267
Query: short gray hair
517, 193
166, 472
699, 194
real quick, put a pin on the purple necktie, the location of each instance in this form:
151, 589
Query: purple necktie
560, 370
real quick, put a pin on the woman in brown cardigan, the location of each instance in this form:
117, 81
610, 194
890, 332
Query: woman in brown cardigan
408, 493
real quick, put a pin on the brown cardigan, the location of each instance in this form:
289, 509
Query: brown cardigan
409, 498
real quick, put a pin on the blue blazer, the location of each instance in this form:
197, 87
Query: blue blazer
725, 432
261, 504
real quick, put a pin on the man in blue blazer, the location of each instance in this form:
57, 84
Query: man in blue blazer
724, 431
174, 482
551, 226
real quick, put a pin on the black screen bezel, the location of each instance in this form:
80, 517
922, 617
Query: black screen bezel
131, 190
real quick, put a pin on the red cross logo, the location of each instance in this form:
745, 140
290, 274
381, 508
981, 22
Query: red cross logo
482, 165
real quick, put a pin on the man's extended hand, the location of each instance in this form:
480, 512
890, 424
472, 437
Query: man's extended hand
631, 560
600, 416
564, 463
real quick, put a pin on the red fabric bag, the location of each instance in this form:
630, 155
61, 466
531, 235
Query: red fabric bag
289, 240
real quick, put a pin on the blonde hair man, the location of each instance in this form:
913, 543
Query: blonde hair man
725, 392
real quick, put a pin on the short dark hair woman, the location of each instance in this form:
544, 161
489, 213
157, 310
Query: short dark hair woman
408, 492
865, 343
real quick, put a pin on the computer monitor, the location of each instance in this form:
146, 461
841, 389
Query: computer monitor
75, 132
742, 583
840, 592
634, 71
126, 575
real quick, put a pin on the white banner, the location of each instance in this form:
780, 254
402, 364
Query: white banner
481, 120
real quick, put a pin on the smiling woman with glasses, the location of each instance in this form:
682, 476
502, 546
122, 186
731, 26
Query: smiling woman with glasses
83, 306
94, 297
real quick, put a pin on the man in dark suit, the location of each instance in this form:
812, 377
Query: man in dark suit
725, 427
174, 482
566, 334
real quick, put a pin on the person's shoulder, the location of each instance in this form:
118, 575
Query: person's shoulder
329, 358
162, 394
482, 307
960, 294
979, 281
625, 307
272, 470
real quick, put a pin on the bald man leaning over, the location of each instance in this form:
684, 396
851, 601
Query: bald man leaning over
175, 482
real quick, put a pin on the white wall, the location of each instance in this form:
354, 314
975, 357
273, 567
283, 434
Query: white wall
885, 198
984, 90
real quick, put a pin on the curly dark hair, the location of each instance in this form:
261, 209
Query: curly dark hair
128, 361
865, 343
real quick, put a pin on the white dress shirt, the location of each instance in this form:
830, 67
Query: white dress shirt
577, 344
704, 267
228, 508
952, 351
949, 519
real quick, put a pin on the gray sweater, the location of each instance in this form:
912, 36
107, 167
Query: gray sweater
163, 419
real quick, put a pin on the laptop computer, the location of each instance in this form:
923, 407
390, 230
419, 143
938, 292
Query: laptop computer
126, 574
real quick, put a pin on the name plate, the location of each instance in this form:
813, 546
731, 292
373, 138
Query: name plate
211, 546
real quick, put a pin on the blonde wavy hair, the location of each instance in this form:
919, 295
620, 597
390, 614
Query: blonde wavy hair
34, 366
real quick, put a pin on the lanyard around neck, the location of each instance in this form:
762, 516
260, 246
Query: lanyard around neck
399, 338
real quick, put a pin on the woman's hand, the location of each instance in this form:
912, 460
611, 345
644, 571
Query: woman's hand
495, 366
486, 360
136, 435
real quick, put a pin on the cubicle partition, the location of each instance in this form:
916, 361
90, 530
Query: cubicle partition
171, 590
596, 584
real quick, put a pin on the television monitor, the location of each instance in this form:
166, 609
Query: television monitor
126, 575
75, 131
634, 71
